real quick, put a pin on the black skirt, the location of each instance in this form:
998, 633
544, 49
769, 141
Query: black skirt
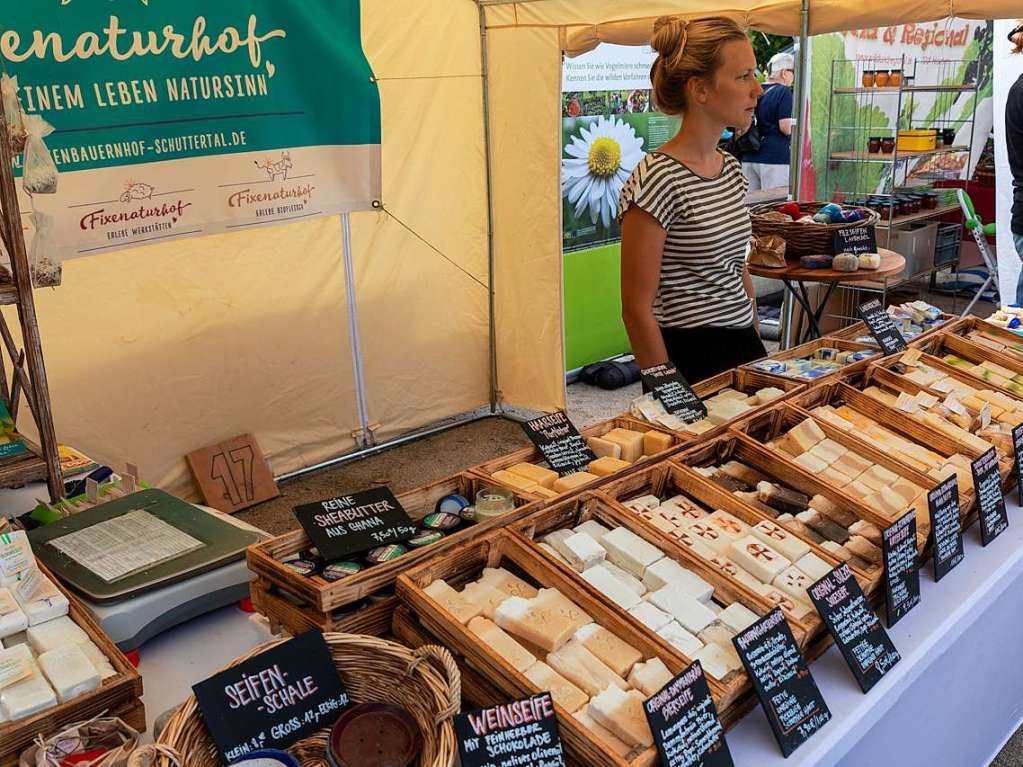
702, 352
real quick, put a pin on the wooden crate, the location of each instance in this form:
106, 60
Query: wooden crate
266, 559
500, 549
119, 695
746, 381
736, 446
808, 350
968, 325
288, 612
951, 343
532, 455
859, 330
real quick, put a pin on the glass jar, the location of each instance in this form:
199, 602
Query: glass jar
895, 78
868, 78
887, 145
874, 145
493, 502
881, 79
929, 201
948, 136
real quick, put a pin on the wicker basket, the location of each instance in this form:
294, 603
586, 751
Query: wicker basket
806, 239
424, 681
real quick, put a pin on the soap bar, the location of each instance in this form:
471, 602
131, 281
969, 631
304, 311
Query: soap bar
602, 447
615, 653
581, 551
835, 513
828, 450
12, 618
758, 558
611, 587
656, 442
484, 596
693, 544
15, 556
69, 672
660, 523
693, 615
813, 566
572, 481
650, 677
774, 535
25, 698
584, 669
845, 262
564, 693
630, 552
459, 606
717, 661
732, 527
537, 474
43, 610
794, 582
53, 634
823, 526
623, 714
515, 481
630, 580
630, 441
745, 474
717, 633
865, 550
738, 617
650, 616
669, 572
851, 464
602, 467
807, 434
709, 535
782, 498
98, 659
608, 739
869, 260
643, 503
553, 552
815, 262
865, 529
676, 635
811, 463
497, 640
594, 529
547, 621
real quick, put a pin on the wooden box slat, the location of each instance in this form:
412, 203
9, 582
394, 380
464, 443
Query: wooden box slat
807, 350
286, 612
266, 558
951, 343
859, 329
122, 692
968, 324
462, 564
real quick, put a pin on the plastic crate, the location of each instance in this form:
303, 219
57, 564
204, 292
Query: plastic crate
947, 244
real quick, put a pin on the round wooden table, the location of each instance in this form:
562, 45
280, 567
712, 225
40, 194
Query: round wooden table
792, 275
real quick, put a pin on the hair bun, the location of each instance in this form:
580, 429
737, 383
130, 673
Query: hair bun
669, 38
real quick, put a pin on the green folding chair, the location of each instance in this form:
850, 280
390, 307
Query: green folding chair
981, 232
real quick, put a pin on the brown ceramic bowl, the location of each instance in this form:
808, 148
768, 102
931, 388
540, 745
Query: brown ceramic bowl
374, 735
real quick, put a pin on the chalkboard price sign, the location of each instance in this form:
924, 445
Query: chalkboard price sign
351, 524
511, 735
901, 574
1017, 444
856, 629
994, 519
855, 240
782, 681
881, 327
674, 392
684, 722
562, 446
274, 699
946, 532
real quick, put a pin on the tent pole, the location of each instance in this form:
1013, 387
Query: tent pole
796, 171
491, 298
353, 330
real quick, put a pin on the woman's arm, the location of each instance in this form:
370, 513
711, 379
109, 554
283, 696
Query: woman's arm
642, 249
747, 282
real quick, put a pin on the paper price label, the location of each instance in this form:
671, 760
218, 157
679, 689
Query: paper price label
926, 400
907, 404
985, 416
14, 669
952, 403
33, 586
15, 554
7, 603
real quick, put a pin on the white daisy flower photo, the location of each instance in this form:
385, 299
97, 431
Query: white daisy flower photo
600, 158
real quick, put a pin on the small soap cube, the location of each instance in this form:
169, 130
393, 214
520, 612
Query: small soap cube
69, 672
602, 467
650, 677
669, 572
536, 474
581, 551
630, 441
650, 616
616, 653
731, 526
623, 714
630, 552
677, 636
709, 535
611, 587
738, 617
643, 503
717, 632
813, 566
634, 583
758, 558
564, 693
694, 616
601, 447
516, 481
656, 442
717, 661
484, 596
811, 463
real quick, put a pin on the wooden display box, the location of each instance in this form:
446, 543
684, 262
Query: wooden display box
119, 695
299, 603
968, 325
859, 330
950, 343
807, 350
287, 612
737, 446
746, 381
532, 455
461, 565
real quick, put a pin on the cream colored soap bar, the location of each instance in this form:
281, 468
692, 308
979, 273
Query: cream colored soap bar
806, 434
718, 661
630, 441
458, 605
564, 693
676, 635
623, 714
69, 672
572, 481
669, 572
630, 552
53, 634
497, 640
537, 474
781, 540
731, 526
634, 583
484, 596
759, 559
584, 669
547, 621
514, 480
12, 618
616, 653
650, 616
813, 566
656, 442
738, 617
594, 529
23, 699
611, 587
693, 615
650, 677
602, 467
717, 632
607, 738
794, 582
603, 447
710, 536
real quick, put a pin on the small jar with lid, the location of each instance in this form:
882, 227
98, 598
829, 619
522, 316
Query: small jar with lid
868, 78
929, 200
887, 145
874, 145
895, 78
881, 78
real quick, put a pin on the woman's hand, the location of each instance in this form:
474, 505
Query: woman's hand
642, 249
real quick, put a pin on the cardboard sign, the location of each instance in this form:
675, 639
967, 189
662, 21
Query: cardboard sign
233, 475
881, 327
274, 699
782, 681
994, 519
855, 240
351, 524
521, 733
901, 574
565, 451
856, 629
684, 722
946, 532
674, 392
1017, 445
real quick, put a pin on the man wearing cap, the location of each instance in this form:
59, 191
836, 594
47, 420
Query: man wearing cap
768, 167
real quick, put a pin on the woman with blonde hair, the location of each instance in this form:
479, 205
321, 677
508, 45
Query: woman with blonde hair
686, 295
1014, 145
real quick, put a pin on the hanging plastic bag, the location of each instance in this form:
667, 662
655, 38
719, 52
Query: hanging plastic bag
12, 112
40, 171
43, 264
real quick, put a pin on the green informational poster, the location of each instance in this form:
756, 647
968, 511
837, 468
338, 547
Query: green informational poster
10, 441
175, 118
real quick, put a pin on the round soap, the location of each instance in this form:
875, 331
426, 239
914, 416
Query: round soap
301, 566
441, 521
374, 735
845, 262
815, 262
869, 260
337, 571
451, 504
385, 553
424, 538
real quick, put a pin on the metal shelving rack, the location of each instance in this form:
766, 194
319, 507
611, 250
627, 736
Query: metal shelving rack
847, 144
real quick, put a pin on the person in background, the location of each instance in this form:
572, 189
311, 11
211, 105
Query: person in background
1014, 146
686, 295
768, 167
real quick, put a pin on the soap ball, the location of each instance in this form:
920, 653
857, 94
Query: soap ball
845, 262
869, 260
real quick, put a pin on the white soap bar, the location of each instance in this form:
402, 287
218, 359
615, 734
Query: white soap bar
709, 535
650, 677
696, 546
669, 572
644, 502
584, 669
581, 551
618, 655
794, 582
99, 660
758, 558
717, 661
680, 639
694, 615
557, 539
460, 606
69, 672
564, 693
53, 634
484, 596
650, 616
623, 714
738, 617
15, 556
594, 529
630, 552
45, 610
781, 540
731, 526
680, 515
778, 598
611, 587
12, 618
813, 566
658, 522
630, 580
607, 738
26, 698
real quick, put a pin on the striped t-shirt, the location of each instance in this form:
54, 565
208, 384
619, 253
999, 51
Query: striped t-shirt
708, 229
